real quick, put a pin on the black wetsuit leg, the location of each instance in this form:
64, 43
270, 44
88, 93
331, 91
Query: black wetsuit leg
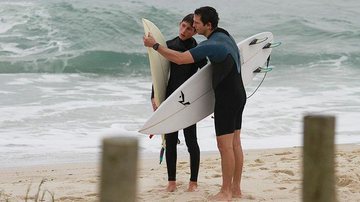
171, 154
230, 99
194, 151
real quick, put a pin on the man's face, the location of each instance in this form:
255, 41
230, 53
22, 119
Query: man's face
186, 30
199, 26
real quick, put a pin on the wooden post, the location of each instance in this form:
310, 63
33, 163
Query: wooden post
318, 159
119, 169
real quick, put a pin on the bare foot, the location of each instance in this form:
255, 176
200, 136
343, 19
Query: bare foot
221, 196
236, 193
171, 186
192, 186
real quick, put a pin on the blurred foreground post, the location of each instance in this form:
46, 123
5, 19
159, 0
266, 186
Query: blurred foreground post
119, 169
318, 159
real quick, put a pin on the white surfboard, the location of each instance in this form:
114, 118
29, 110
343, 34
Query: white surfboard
159, 66
194, 100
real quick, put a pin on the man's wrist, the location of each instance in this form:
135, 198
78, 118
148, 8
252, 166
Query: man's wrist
156, 46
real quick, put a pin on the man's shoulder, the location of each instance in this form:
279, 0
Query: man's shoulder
179, 45
221, 30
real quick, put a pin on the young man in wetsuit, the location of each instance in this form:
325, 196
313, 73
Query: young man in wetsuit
230, 96
178, 75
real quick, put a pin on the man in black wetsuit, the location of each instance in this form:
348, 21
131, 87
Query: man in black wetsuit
230, 96
178, 75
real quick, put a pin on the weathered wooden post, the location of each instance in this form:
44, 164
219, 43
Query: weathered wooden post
318, 159
119, 169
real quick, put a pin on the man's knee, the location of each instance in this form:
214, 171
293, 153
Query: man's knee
225, 142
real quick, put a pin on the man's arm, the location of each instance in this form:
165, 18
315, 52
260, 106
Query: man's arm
176, 56
172, 55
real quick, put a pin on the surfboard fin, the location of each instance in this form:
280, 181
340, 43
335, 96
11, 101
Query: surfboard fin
272, 45
257, 41
253, 42
263, 69
163, 146
162, 154
257, 70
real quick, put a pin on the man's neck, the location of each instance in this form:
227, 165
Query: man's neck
207, 34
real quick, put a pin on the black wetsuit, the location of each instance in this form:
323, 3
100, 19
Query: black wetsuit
178, 75
230, 95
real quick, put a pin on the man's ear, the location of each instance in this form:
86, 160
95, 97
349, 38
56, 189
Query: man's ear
209, 25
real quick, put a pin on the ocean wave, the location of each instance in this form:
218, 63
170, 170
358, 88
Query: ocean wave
79, 36
347, 60
69, 37
99, 62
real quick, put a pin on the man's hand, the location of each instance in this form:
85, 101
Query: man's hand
149, 40
154, 104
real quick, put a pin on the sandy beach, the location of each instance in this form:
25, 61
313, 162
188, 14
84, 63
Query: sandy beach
269, 175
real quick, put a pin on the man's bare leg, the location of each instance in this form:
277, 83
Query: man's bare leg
225, 146
239, 162
171, 186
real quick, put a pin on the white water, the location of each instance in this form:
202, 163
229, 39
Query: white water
50, 118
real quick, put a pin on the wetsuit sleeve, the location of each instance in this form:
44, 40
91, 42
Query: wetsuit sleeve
199, 53
201, 64
215, 52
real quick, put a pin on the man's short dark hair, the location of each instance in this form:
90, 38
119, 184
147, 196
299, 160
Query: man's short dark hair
189, 19
208, 14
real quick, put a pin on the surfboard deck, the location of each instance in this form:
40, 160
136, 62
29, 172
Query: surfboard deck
159, 66
194, 99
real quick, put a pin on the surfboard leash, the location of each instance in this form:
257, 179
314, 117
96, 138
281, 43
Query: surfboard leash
162, 150
163, 147
267, 69
259, 70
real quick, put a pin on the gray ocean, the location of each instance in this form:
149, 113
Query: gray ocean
73, 72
